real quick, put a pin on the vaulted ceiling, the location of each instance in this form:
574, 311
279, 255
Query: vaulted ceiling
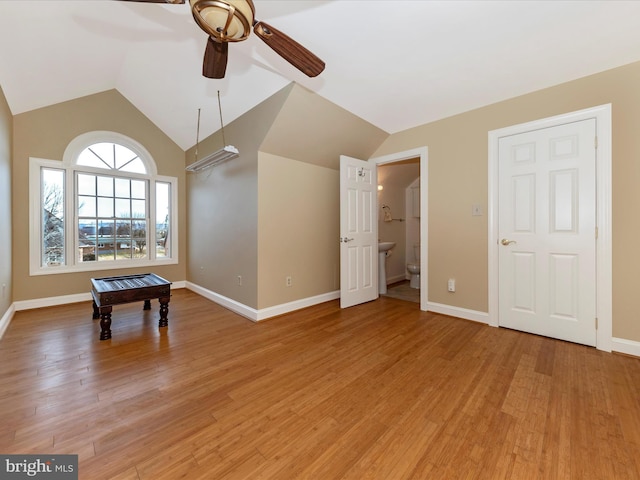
396, 64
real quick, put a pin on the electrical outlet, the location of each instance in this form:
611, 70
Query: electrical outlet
288, 281
239, 280
451, 285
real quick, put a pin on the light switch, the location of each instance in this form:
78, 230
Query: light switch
476, 210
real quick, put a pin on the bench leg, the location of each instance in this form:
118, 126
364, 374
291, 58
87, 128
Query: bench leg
147, 305
164, 311
105, 323
96, 312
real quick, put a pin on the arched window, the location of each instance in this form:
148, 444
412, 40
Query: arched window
103, 206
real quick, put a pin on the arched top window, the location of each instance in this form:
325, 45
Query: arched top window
109, 151
103, 207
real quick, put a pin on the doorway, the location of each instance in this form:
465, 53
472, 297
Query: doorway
399, 223
358, 269
398, 159
550, 227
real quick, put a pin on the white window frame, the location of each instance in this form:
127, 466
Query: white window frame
68, 165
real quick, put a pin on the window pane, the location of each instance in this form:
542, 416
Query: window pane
105, 186
135, 166
139, 238
88, 158
106, 240
138, 209
123, 239
124, 156
52, 216
122, 188
123, 208
86, 206
86, 184
162, 219
138, 189
104, 152
105, 207
86, 240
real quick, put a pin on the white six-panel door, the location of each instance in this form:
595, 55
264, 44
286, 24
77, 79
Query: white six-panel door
358, 232
547, 231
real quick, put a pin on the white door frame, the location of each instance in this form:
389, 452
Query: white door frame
423, 153
604, 247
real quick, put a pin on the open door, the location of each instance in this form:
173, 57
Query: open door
358, 232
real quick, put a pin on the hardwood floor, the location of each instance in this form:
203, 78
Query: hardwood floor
376, 391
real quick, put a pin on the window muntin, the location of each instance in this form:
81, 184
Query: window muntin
112, 156
108, 211
112, 217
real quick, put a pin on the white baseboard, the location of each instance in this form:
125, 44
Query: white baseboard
51, 301
257, 315
65, 299
297, 305
622, 345
6, 319
464, 313
396, 278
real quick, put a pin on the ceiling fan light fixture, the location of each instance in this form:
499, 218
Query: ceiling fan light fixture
228, 21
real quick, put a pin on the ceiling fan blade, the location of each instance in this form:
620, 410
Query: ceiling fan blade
215, 59
289, 49
155, 1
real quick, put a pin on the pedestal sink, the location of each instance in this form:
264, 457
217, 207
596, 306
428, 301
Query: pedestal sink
383, 248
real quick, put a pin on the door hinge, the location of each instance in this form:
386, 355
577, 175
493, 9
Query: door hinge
595, 142
596, 323
596, 233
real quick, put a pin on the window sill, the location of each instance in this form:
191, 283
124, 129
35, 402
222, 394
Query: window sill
99, 266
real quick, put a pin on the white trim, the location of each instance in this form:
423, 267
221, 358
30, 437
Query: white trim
283, 308
66, 299
258, 315
72, 265
398, 278
6, 319
458, 312
623, 345
604, 246
78, 144
51, 301
423, 153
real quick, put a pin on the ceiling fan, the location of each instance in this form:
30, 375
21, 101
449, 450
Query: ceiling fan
231, 21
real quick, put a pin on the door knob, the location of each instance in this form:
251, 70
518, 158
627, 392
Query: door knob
345, 239
506, 242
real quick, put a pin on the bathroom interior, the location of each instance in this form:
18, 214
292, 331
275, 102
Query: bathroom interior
399, 223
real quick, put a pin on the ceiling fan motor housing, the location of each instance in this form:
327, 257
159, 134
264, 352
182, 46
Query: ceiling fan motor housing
225, 21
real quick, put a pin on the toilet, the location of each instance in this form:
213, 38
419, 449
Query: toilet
414, 268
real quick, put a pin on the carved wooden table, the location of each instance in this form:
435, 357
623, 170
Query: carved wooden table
109, 291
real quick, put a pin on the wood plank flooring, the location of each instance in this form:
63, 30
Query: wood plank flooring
376, 391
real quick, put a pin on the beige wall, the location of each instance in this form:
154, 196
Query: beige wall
298, 230
45, 133
6, 122
240, 212
311, 129
458, 179
223, 208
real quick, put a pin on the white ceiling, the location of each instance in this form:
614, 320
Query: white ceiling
396, 64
